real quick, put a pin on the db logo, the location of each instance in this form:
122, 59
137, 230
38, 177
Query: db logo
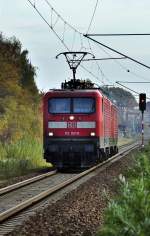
72, 125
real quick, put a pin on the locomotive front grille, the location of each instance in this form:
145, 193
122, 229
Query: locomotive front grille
71, 147
63, 152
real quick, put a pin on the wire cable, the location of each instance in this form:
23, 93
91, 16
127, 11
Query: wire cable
51, 26
120, 83
76, 31
48, 3
116, 51
99, 68
122, 66
62, 39
110, 35
97, 78
92, 16
39, 13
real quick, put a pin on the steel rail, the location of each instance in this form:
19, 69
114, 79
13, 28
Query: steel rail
26, 182
22, 206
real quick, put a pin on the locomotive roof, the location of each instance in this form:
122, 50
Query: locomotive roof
76, 90
80, 91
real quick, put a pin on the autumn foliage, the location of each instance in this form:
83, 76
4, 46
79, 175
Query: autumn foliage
20, 115
19, 98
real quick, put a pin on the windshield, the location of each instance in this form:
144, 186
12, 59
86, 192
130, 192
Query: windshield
59, 105
71, 105
83, 105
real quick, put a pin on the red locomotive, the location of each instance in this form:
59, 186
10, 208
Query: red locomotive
80, 127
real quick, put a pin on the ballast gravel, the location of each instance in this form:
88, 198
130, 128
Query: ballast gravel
80, 212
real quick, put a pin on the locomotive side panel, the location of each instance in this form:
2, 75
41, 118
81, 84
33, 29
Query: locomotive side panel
100, 121
114, 129
107, 122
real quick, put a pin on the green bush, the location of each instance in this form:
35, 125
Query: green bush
2, 152
129, 214
20, 157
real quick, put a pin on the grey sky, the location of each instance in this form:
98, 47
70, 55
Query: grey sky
112, 16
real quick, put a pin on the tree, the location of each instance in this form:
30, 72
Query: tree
19, 96
122, 97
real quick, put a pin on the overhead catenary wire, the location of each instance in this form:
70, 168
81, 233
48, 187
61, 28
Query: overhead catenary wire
124, 56
92, 16
122, 66
81, 34
133, 82
99, 68
62, 39
120, 83
120, 53
117, 82
139, 34
104, 59
51, 7
52, 25
76, 31
119, 63
97, 78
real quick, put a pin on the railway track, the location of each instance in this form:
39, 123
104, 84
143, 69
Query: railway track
23, 195
26, 182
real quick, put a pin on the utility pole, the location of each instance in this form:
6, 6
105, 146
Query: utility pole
142, 108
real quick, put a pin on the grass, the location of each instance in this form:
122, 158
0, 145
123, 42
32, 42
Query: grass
21, 157
124, 141
129, 213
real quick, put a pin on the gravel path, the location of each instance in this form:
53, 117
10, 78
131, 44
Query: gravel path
80, 212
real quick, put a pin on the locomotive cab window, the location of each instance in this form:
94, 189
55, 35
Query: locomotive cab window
59, 105
83, 105
71, 105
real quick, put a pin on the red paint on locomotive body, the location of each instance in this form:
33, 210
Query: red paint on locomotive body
114, 125
71, 132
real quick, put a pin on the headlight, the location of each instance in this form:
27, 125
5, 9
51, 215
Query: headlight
50, 134
71, 117
92, 134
